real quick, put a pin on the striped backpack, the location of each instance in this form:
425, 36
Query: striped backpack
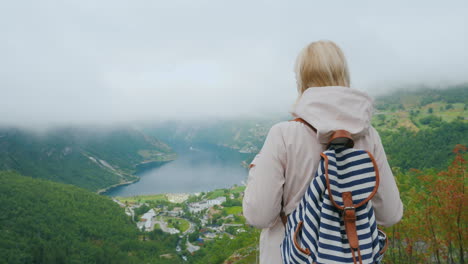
335, 221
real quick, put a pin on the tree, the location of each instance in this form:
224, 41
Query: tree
194, 236
435, 224
381, 119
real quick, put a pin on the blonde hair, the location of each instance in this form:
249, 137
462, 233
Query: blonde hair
321, 63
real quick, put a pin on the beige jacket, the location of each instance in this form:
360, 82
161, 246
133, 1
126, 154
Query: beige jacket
288, 160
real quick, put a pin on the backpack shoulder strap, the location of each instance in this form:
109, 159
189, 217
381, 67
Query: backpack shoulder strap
304, 122
284, 217
343, 137
340, 136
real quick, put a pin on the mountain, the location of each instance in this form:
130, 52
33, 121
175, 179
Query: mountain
421, 108
47, 222
90, 158
242, 134
422, 129
419, 128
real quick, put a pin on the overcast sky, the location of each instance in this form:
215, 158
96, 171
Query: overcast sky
104, 61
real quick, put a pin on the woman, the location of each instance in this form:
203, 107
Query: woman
280, 174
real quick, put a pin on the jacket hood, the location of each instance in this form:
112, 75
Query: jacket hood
333, 108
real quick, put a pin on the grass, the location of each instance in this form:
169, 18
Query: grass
235, 210
143, 198
238, 189
214, 194
246, 255
249, 259
392, 120
222, 192
182, 224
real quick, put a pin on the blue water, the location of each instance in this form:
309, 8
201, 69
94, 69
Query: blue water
194, 170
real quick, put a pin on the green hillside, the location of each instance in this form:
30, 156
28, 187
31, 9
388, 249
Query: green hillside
421, 108
426, 148
414, 137
88, 158
47, 222
420, 127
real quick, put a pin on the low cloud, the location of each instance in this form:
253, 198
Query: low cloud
79, 62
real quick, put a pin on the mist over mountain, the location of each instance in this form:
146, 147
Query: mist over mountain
120, 120
90, 158
108, 62
98, 157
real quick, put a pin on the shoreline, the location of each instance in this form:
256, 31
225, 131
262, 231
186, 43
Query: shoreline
196, 193
147, 165
167, 158
104, 190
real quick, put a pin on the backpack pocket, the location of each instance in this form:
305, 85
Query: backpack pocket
383, 244
292, 248
297, 241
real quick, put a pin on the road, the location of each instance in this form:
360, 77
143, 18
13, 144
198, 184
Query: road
191, 228
191, 248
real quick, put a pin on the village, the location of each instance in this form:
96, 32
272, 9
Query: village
195, 218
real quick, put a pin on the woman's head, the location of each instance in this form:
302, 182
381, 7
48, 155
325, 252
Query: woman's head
321, 63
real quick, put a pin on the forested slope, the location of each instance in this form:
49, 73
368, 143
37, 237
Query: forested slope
427, 148
46, 222
89, 158
420, 127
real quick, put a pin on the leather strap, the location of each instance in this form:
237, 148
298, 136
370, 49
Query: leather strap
349, 208
305, 122
298, 246
386, 242
342, 134
349, 218
284, 217
327, 182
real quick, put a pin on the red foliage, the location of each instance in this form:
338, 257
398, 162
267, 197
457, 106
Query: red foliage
434, 227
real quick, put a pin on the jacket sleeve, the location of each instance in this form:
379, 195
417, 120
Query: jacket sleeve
264, 192
387, 203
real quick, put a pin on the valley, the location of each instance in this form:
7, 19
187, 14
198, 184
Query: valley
173, 190
196, 219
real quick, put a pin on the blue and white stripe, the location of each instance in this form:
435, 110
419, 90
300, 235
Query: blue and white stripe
323, 231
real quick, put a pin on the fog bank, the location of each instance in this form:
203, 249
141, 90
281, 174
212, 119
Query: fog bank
104, 62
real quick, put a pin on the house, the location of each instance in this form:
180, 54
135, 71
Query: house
177, 197
175, 212
200, 206
209, 235
217, 201
146, 220
148, 215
